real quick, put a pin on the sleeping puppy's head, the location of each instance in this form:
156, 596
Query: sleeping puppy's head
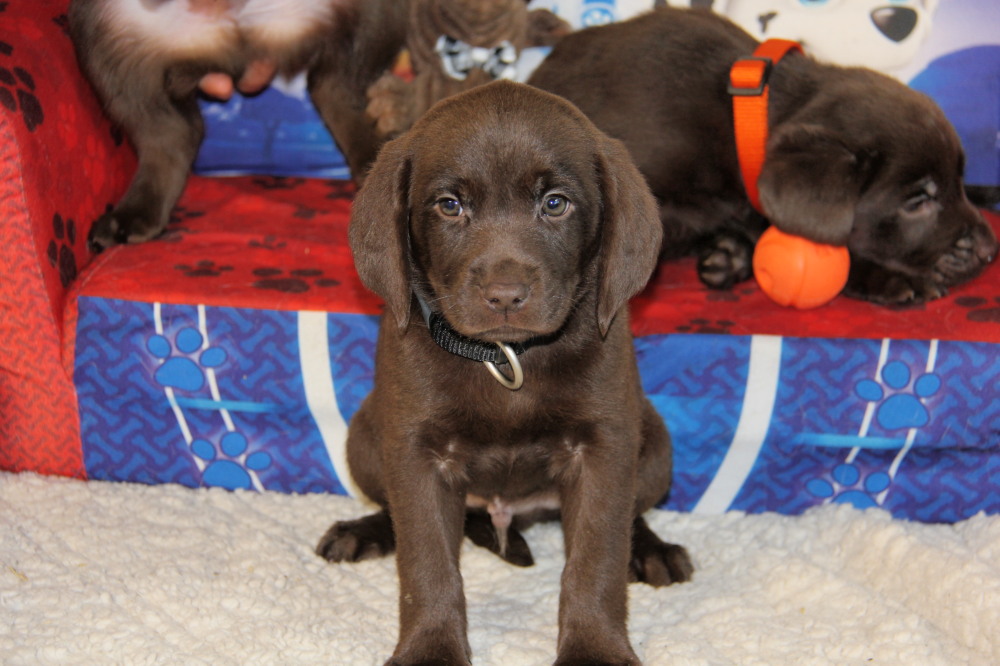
504, 209
874, 165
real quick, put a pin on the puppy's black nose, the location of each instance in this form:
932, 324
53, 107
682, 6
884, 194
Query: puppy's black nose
505, 296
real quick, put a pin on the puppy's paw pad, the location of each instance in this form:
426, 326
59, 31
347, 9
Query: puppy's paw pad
727, 261
118, 228
962, 260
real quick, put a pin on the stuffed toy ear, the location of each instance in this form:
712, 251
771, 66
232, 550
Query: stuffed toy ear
631, 231
811, 182
379, 230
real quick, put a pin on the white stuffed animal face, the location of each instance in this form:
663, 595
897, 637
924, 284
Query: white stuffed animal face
880, 34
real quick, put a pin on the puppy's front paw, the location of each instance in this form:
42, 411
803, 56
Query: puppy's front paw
121, 226
900, 290
391, 105
355, 540
597, 655
964, 260
725, 261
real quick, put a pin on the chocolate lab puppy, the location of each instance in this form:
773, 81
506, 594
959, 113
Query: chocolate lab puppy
146, 59
853, 157
505, 228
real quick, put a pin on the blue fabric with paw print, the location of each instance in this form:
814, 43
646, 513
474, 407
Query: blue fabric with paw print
259, 400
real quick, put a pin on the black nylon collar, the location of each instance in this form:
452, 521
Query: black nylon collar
454, 342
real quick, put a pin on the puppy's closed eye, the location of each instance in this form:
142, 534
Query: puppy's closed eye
924, 200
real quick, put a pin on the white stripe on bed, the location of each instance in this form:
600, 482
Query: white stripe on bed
751, 430
317, 378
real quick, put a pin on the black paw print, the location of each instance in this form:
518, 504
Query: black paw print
17, 92
62, 21
278, 182
979, 313
719, 326
204, 268
304, 213
268, 242
296, 282
60, 251
340, 189
180, 213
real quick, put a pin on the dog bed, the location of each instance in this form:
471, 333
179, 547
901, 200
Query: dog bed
102, 573
233, 350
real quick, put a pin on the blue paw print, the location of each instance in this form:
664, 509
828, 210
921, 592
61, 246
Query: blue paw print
181, 372
902, 409
846, 486
230, 472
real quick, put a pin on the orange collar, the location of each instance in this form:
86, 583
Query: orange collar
748, 86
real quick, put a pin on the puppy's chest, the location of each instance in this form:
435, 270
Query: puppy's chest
511, 463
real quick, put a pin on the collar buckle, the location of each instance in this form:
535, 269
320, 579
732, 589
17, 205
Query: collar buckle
749, 76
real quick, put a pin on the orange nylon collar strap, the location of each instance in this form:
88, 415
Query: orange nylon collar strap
748, 86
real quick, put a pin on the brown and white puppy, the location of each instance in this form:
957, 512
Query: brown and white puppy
511, 219
853, 157
455, 45
146, 59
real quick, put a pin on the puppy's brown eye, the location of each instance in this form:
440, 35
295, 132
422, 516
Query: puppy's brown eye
555, 205
449, 207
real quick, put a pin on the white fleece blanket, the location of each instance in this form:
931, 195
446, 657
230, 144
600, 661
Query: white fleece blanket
100, 573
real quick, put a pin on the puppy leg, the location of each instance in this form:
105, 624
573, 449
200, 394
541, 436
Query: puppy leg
350, 61
653, 561
596, 497
428, 516
166, 132
371, 536
869, 281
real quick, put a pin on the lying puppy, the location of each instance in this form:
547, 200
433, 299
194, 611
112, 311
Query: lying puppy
853, 157
504, 225
146, 59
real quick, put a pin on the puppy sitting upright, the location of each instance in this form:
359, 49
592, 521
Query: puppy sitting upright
505, 228
852, 157
146, 58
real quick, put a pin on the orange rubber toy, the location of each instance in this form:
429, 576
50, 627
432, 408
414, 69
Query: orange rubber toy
797, 272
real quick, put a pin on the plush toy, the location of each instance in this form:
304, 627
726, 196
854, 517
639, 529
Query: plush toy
455, 45
797, 272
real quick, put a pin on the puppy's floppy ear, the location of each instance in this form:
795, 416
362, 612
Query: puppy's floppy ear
379, 229
811, 182
631, 231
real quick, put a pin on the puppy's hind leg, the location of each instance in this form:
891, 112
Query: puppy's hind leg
510, 546
355, 540
165, 126
653, 561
